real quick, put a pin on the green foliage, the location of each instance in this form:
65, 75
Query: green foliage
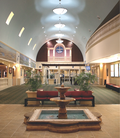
85, 81
34, 80
52, 76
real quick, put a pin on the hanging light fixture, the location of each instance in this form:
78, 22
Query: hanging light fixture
60, 10
59, 35
59, 25
59, 41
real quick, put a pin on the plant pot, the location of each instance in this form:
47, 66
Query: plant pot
51, 81
32, 94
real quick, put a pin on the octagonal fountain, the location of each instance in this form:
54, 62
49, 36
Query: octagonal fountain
62, 120
62, 101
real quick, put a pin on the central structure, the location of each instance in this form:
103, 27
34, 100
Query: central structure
60, 120
62, 101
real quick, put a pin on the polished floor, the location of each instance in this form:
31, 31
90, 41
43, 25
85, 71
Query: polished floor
17, 94
12, 126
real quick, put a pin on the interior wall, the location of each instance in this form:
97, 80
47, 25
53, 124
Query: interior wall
42, 55
114, 80
106, 47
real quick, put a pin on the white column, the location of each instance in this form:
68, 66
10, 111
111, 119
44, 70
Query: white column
43, 75
49, 73
79, 69
101, 74
48, 55
69, 75
58, 75
53, 55
70, 55
65, 55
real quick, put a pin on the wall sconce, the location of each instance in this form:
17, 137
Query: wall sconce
17, 65
33, 69
14, 67
101, 65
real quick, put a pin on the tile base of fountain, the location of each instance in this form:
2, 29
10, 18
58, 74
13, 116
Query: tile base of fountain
63, 125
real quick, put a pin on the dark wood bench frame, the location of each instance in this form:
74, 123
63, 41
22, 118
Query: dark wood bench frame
34, 99
93, 101
113, 87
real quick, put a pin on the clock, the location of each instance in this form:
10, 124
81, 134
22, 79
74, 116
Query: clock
59, 49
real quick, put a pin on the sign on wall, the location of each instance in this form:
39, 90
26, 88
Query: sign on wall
24, 60
7, 52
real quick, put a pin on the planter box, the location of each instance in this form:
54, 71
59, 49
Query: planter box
51, 81
32, 94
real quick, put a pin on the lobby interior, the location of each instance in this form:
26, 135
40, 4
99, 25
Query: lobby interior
87, 39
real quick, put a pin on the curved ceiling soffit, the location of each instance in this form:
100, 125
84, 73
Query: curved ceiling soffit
71, 18
67, 40
33, 20
53, 39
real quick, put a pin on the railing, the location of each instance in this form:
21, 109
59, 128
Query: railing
110, 27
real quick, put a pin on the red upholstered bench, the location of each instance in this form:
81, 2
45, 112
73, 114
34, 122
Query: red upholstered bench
81, 96
114, 87
46, 95
78, 95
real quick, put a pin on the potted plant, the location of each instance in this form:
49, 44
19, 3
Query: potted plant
33, 80
51, 80
85, 81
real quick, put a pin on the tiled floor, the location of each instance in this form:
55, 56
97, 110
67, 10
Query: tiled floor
12, 126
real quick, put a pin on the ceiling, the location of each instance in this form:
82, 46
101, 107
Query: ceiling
36, 16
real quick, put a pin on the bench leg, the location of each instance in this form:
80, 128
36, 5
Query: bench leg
42, 102
26, 100
75, 101
93, 103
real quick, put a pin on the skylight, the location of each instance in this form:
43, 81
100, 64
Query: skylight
34, 46
21, 31
29, 41
9, 18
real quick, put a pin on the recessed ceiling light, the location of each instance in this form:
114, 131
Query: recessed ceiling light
84, 37
34, 46
60, 10
9, 18
29, 41
43, 27
59, 35
76, 26
21, 31
59, 25
44, 31
89, 30
98, 17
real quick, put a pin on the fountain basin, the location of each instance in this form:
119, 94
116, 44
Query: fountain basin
72, 114
62, 91
62, 113
63, 125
